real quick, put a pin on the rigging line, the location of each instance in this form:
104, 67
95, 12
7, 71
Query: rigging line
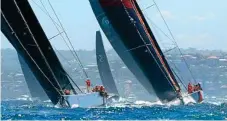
152, 54
148, 7
174, 40
55, 35
168, 38
29, 53
57, 29
67, 73
179, 78
74, 83
55, 23
169, 50
138, 47
158, 28
62, 56
43, 11
64, 41
69, 40
157, 52
44, 58
150, 50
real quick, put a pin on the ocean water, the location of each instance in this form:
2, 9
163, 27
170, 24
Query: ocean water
22, 109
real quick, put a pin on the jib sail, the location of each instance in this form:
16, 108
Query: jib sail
103, 66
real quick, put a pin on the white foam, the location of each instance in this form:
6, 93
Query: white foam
21, 98
26, 96
75, 106
47, 101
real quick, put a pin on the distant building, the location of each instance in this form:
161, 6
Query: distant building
212, 57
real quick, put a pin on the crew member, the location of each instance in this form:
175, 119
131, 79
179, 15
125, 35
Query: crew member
88, 83
67, 92
102, 89
95, 89
190, 88
199, 86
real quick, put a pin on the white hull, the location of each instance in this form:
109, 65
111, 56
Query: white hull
188, 98
88, 100
192, 98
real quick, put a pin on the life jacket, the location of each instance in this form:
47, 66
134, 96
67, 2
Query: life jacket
190, 88
102, 88
196, 88
67, 92
88, 82
96, 88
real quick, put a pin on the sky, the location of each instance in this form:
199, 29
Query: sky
199, 24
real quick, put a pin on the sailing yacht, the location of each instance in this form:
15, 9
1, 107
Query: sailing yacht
129, 33
24, 32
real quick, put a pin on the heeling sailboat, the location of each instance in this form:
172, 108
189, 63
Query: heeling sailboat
103, 66
32, 44
142, 45
22, 29
119, 46
34, 87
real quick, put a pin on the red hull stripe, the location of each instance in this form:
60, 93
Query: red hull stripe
127, 3
130, 3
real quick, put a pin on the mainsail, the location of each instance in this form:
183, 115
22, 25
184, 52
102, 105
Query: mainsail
103, 66
34, 87
119, 46
23, 30
128, 21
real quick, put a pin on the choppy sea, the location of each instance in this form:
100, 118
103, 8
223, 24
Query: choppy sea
23, 109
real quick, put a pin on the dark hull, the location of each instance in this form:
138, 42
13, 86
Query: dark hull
103, 66
119, 46
34, 87
33, 46
143, 48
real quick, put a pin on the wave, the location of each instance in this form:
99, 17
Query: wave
122, 102
26, 101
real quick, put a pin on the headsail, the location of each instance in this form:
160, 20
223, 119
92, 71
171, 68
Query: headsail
23, 30
141, 43
103, 66
34, 87
119, 46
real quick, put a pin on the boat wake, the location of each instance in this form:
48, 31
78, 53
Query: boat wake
26, 101
123, 102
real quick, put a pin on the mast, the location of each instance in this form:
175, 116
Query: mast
103, 66
21, 27
139, 40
